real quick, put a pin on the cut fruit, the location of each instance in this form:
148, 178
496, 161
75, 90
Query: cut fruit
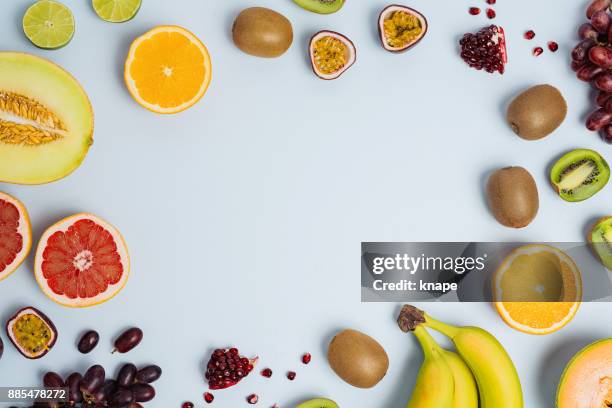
587, 380
537, 289
168, 70
331, 54
48, 24
81, 261
46, 121
116, 11
600, 238
227, 368
485, 49
579, 175
31, 332
15, 234
321, 6
401, 28
318, 403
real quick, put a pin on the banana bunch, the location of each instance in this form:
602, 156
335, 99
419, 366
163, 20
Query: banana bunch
481, 375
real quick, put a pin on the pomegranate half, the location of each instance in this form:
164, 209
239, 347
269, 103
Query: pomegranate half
331, 54
31, 332
401, 28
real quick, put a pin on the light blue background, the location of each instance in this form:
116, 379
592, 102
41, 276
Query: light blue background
244, 215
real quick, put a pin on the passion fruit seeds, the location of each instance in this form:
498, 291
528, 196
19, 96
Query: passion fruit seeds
331, 54
31, 332
401, 28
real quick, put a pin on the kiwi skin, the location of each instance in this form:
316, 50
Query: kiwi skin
358, 359
513, 197
537, 112
318, 403
262, 32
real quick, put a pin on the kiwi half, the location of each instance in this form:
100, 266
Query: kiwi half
320, 6
600, 238
579, 175
318, 403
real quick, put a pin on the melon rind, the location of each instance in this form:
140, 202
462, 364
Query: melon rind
53, 87
112, 290
24, 229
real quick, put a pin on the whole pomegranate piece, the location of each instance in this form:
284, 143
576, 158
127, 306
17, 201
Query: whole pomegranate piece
227, 367
485, 49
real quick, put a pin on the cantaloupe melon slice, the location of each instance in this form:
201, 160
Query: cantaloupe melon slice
46, 120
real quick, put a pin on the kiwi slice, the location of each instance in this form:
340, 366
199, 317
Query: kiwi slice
318, 403
321, 6
600, 238
579, 174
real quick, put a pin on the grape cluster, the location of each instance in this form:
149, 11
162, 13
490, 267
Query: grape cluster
592, 62
92, 389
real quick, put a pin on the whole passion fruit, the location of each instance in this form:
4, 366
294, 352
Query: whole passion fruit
31, 332
331, 54
401, 28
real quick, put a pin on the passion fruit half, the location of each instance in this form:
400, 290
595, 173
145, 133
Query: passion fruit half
31, 332
401, 28
331, 54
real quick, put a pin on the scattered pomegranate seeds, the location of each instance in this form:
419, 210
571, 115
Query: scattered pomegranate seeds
306, 358
537, 51
252, 399
266, 372
187, 405
474, 11
208, 397
529, 35
491, 1
491, 13
291, 375
553, 46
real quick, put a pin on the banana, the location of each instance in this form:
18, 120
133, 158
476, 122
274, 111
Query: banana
466, 391
435, 384
498, 382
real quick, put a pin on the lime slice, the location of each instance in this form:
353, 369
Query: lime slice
116, 11
48, 24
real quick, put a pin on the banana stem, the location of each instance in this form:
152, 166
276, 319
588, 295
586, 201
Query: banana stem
446, 329
427, 342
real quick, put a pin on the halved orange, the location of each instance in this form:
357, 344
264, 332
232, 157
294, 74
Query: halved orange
168, 69
537, 289
81, 261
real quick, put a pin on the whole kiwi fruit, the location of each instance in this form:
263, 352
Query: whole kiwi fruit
357, 358
513, 197
262, 32
537, 112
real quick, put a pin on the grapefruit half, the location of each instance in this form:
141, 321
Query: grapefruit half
81, 261
15, 234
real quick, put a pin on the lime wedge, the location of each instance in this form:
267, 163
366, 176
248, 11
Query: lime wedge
48, 24
116, 11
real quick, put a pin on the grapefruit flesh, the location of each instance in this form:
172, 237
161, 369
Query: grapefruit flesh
81, 261
15, 235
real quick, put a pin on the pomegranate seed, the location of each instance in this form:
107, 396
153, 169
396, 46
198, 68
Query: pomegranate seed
553, 46
187, 405
474, 11
537, 51
208, 397
491, 1
266, 372
306, 358
485, 49
529, 35
226, 368
491, 13
252, 399
291, 375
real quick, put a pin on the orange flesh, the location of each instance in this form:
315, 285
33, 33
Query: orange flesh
401, 29
168, 69
330, 55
